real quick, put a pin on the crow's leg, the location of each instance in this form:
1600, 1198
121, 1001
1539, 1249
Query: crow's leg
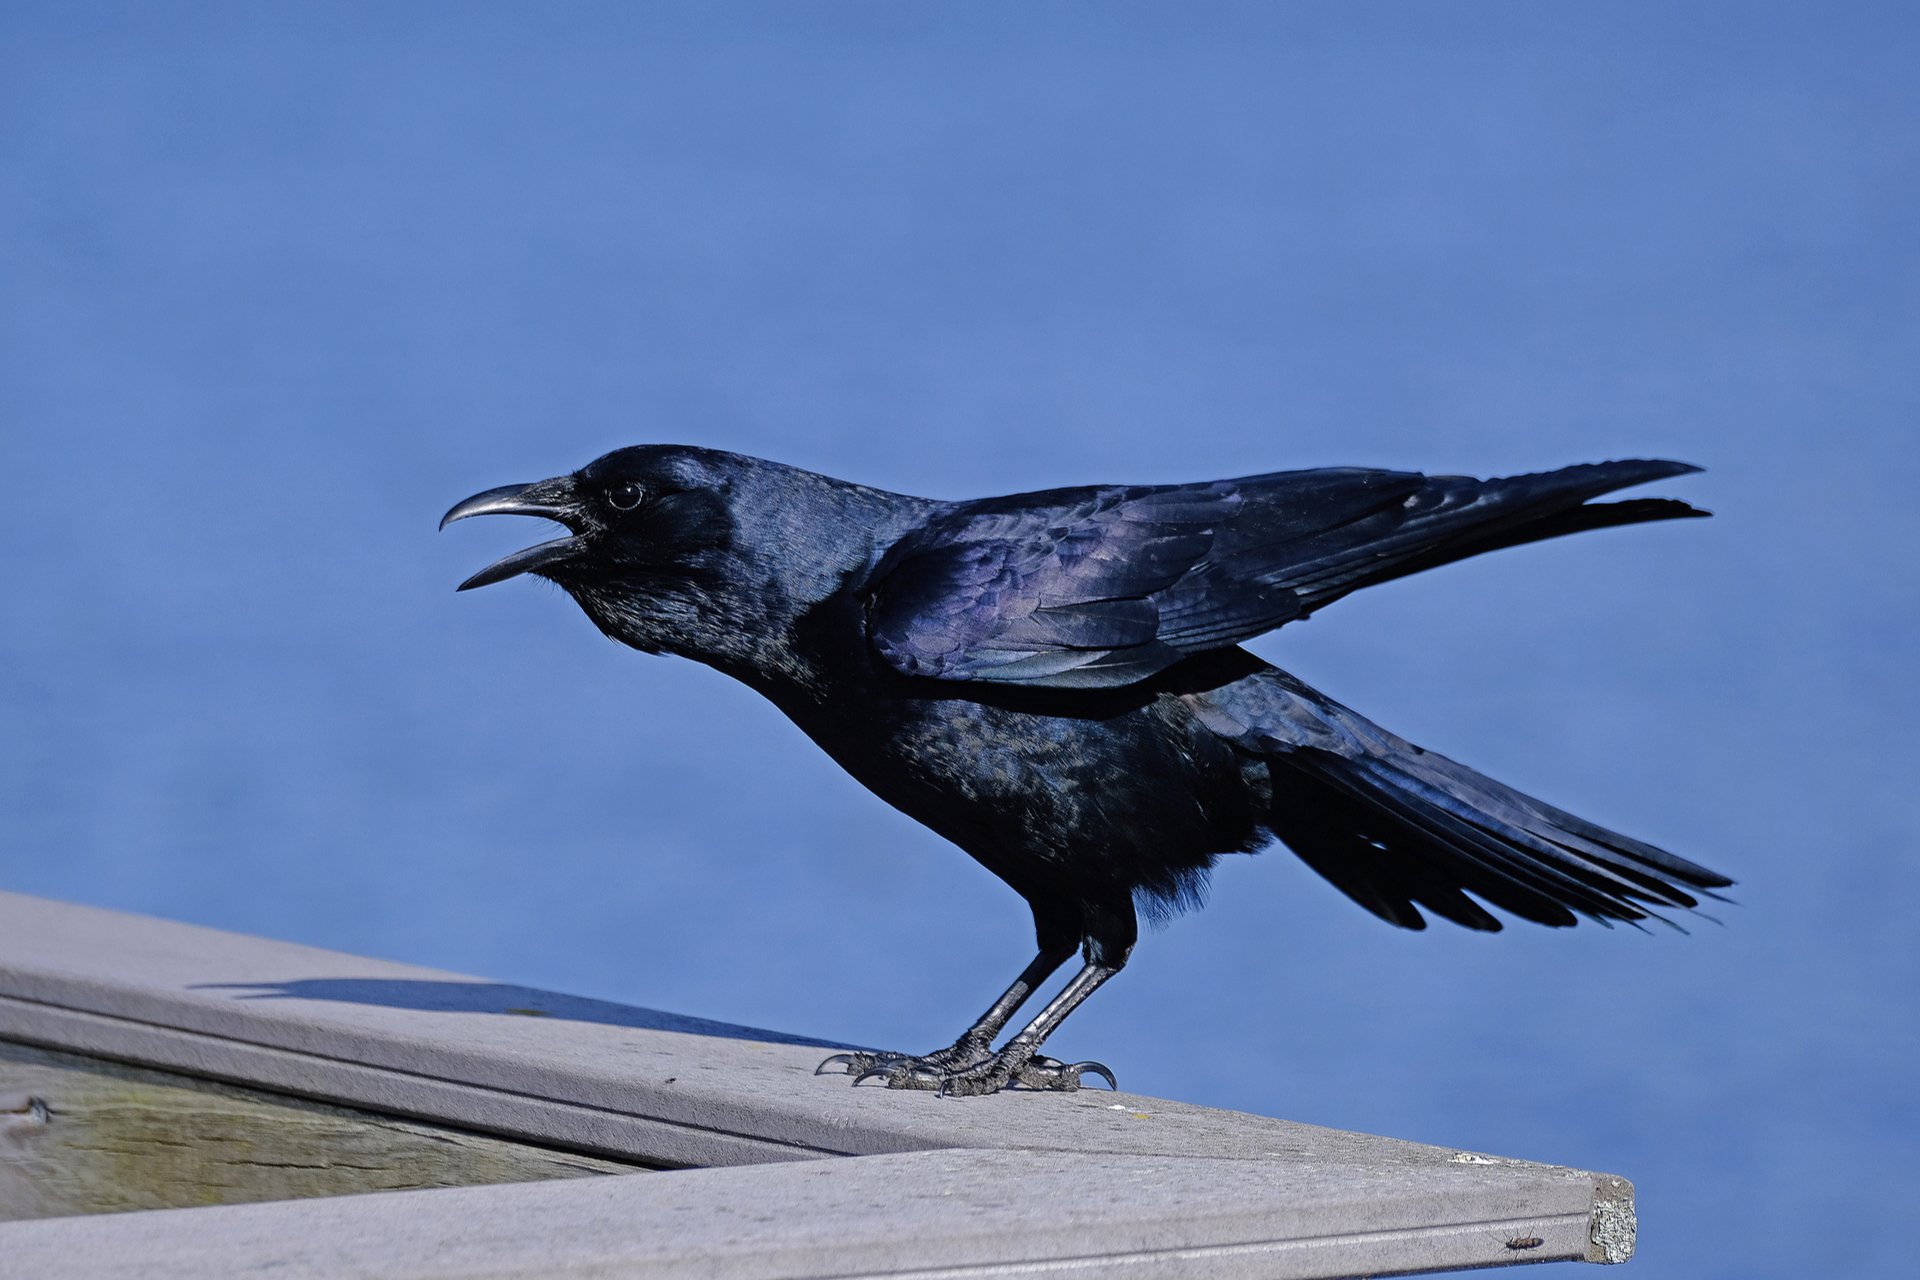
1110, 938
1018, 1063
1056, 934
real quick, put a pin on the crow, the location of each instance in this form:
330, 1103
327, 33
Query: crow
1054, 682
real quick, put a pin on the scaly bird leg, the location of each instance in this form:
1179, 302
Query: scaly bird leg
1016, 1063
974, 1044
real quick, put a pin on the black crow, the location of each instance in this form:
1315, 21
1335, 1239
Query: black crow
1053, 682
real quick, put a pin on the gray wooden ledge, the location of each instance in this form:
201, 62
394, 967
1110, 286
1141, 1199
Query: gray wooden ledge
1013, 1185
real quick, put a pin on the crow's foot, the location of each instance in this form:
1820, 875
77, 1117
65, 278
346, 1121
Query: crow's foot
950, 1074
1050, 1073
941, 1061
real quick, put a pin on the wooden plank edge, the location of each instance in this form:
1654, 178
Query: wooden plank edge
573, 1126
950, 1215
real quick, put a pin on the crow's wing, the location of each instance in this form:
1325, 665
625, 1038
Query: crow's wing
1100, 587
1062, 588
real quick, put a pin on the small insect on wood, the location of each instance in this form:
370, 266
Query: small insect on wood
1525, 1242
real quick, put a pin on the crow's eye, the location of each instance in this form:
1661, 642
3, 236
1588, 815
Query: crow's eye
625, 497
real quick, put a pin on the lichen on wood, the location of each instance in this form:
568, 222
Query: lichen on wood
82, 1135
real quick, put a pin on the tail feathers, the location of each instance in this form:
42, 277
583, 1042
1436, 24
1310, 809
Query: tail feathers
1397, 829
1391, 839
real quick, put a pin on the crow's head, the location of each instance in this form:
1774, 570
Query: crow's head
650, 545
636, 514
691, 551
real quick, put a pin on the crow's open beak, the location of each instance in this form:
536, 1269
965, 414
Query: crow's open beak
548, 499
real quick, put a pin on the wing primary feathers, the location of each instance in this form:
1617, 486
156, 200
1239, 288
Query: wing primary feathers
1105, 586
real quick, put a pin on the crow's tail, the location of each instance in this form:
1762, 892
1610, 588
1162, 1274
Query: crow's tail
1397, 828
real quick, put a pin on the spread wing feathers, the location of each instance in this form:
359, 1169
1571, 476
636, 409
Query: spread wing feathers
1440, 519
1057, 588
1104, 587
1397, 828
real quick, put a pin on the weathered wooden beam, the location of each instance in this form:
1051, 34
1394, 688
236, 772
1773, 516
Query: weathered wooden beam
926, 1215
1015, 1184
81, 1135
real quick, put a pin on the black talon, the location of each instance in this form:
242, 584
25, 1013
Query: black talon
1100, 1069
940, 1073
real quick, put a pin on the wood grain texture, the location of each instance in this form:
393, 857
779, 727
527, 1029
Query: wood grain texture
82, 1135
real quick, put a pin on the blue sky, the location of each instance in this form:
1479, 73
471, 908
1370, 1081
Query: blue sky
279, 284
